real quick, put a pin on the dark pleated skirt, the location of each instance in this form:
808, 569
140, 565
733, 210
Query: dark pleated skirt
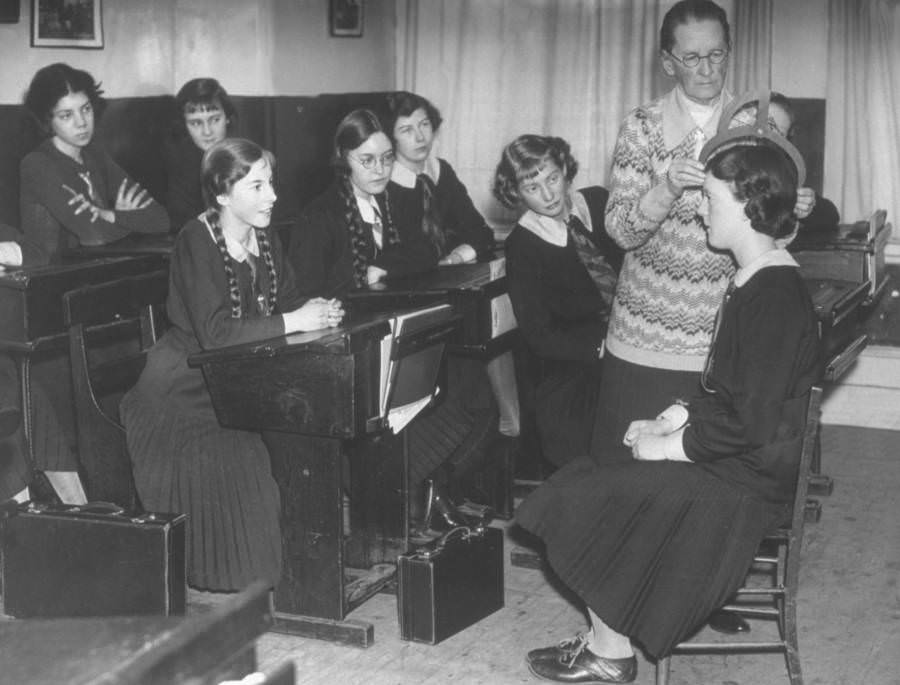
220, 478
565, 409
652, 547
629, 392
53, 415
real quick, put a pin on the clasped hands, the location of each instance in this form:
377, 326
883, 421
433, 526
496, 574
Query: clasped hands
646, 438
316, 313
127, 199
684, 173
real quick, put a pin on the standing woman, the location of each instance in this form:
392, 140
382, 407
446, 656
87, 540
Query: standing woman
561, 268
347, 237
431, 203
72, 192
228, 284
206, 115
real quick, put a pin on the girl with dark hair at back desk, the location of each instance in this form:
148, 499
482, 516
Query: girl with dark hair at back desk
72, 192
205, 115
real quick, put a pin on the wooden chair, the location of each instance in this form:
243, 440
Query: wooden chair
111, 326
780, 553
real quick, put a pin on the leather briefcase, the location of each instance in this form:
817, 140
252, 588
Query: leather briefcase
450, 584
92, 560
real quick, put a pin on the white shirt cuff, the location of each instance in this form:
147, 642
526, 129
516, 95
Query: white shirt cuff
10, 253
673, 446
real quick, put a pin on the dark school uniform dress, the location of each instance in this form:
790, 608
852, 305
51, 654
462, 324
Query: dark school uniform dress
563, 318
460, 222
321, 251
654, 547
184, 196
183, 460
50, 221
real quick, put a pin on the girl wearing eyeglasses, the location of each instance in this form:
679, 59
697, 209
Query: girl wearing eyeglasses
347, 237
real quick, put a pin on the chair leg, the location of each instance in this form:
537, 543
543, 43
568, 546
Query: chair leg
792, 646
662, 671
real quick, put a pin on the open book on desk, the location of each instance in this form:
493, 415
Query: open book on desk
410, 363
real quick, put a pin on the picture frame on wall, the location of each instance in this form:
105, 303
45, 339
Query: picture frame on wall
67, 24
345, 18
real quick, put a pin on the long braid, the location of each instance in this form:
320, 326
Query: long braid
265, 248
212, 217
391, 235
359, 236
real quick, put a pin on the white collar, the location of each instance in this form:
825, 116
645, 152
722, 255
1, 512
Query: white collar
777, 257
402, 175
368, 208
678, 116
236, 250
553, 231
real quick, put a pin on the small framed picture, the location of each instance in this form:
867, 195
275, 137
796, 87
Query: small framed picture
67, 24
345, 17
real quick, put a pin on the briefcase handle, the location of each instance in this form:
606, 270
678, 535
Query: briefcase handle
465, 532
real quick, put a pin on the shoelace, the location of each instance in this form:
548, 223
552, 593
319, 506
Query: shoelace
573, 647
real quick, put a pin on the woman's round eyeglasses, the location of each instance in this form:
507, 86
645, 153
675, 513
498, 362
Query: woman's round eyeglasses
368, 162
692, 59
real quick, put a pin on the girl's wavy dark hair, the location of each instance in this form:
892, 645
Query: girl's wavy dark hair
763, 176
523, 158
201, 94
354, 130
52, 83
223, 165
403, 104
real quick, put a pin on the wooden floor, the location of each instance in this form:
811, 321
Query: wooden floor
849, 611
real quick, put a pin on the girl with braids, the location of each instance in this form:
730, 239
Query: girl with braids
347, 237
229, 283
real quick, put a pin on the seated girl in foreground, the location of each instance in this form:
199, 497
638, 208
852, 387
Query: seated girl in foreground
654, 545
229, 283
72, 192
561, 268
346, 237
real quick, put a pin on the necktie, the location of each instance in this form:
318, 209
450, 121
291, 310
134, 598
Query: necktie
599, 269
431, 220
377, 230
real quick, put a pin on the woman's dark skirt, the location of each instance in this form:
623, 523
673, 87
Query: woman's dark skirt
565, 404
222, 479
652, 547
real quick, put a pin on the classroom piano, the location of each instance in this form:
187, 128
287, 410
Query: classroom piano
318, 399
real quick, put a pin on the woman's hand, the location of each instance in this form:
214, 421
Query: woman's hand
806, 201
10, 254
312, 316
335, 313
462, 254
684, 173
135, 197
82, 203
644, 427
374, 274
649, 448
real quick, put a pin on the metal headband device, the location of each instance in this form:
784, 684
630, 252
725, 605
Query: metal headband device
752, 134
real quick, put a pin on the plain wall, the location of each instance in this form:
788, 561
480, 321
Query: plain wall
255, 47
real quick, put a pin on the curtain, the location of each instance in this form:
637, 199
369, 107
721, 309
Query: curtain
751, 62
500, 68
862, 124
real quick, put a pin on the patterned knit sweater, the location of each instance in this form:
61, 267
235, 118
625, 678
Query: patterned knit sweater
671, 283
